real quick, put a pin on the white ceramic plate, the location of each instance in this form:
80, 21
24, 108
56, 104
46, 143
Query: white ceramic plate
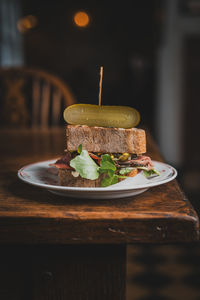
42, 175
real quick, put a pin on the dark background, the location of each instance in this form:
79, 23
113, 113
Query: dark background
121, 37
136, 42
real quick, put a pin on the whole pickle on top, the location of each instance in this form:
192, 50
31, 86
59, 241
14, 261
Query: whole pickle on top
102, 115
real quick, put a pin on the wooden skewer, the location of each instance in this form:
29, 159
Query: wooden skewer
100, 84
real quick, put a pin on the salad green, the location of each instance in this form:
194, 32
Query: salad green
85, 166
147, 173
89, 169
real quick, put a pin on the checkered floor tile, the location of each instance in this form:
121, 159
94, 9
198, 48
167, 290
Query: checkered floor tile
162, 272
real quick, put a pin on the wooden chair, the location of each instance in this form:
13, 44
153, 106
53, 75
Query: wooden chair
32, 98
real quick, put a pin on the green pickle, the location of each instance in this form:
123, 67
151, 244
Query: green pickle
102, 116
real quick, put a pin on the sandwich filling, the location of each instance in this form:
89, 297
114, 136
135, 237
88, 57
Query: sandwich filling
116, 166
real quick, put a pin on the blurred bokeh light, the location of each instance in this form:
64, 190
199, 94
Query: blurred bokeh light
26, 23
81, 19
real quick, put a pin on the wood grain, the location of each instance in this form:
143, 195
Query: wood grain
85, 273
62, 272
35, 216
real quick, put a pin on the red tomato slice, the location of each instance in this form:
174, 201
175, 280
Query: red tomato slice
93, 156
62, 166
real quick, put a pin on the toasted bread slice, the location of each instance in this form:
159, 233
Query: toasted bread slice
106, 140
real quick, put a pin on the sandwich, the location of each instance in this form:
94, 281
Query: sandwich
101, 156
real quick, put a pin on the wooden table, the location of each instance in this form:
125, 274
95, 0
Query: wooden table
57, 248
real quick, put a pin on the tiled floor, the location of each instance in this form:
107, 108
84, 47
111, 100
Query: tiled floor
163, 272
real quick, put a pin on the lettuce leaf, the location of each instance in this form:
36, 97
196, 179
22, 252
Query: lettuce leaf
124, 171
148, 173
109, 180
107, 164
80, 147
85, 166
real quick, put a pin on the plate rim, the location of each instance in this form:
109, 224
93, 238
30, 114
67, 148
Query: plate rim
94, 189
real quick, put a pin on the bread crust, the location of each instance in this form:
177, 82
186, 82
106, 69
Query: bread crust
67, 179
106, 140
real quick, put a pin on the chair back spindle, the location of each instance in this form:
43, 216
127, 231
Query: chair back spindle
36, 103
56, 106
45, 105
38, 95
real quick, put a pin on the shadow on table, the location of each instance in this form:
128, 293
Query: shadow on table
35, 194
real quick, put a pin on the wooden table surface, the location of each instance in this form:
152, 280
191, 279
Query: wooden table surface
30, 215
58, 248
